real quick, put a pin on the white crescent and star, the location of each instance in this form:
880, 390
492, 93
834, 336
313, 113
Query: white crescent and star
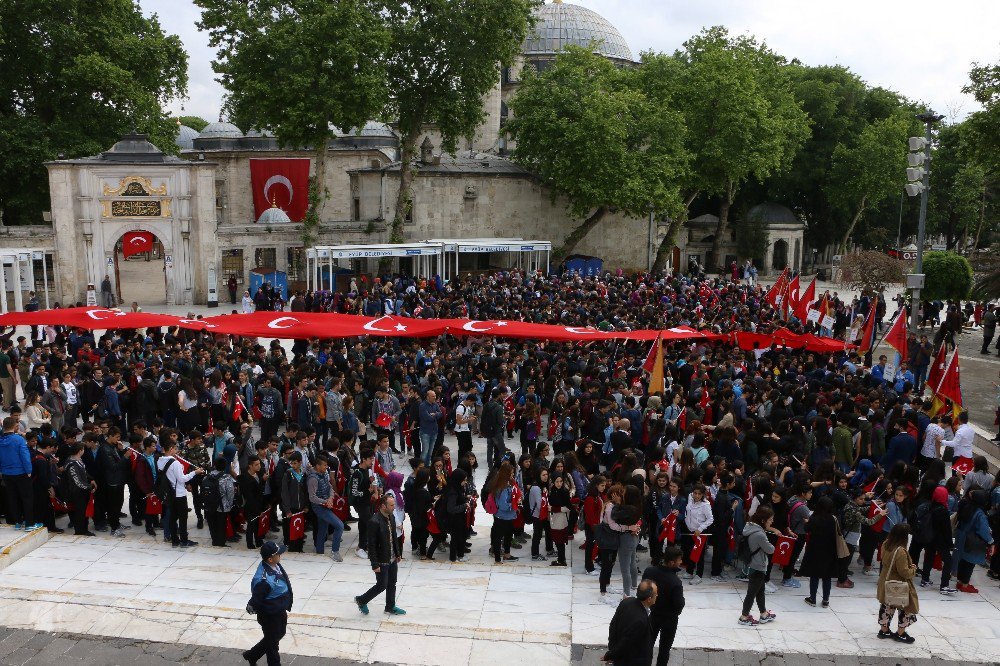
581, 330
276, 180
138, 239
93, 314
276, 323
197, 321
471, 326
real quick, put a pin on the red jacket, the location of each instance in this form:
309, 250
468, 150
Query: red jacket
592, 509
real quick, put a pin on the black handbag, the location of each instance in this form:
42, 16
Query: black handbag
607, 538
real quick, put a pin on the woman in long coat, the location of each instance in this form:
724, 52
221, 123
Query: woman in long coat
819, 562
897, 565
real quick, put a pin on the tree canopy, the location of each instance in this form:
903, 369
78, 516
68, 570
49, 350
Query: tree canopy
76, 76
587, 130
948, 276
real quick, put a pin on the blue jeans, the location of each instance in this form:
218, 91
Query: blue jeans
427, 440
326, 520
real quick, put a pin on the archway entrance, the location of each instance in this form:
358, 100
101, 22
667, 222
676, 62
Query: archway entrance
141, 276
780, 258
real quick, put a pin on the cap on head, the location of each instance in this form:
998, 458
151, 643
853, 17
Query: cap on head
270, 549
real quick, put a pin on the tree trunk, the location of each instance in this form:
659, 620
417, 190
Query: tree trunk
982, 220
667, 244
721, 228
578, 234
317, 197
850, 229
404, 198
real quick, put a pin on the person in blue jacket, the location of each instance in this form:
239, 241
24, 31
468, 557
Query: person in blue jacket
15, 466
973, 539
271, 600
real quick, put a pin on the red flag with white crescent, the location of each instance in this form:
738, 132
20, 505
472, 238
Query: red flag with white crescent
783, 551
136, 242
263, 524
698, 548
668, 529
297, 526
283, 183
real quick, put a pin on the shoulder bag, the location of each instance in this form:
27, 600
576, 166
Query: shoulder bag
897, 592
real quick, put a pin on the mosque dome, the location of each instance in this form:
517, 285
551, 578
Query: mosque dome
772, 213
274, 215
259, 134
559, 25
220, 130
185, 137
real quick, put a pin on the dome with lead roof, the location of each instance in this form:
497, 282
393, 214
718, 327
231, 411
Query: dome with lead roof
221, 130
559, 25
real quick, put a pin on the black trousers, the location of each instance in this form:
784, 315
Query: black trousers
385, 581
20, 507
136, 504
500, 536
755, 592
666, 627
114, 498
929, 552
80, 499
588, 547
273, 626
464, 443
179, 519
216, 527
364, 509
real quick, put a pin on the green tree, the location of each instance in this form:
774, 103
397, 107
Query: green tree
742, 116
76, 76
196, 123
984, 85
584, 127
871, 271
751, 239
869, 169
298, 68
444, 56
948, 276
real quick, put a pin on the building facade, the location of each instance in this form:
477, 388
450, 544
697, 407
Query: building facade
204, 210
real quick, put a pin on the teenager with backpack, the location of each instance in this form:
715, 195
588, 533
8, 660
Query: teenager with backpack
77, 487
217, 495
171, 482
759, 550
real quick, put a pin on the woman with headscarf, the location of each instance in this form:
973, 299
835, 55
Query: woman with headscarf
973, 539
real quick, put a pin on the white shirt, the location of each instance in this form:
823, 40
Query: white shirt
175, 475
464, 412
69, 388
931, 435
962, 441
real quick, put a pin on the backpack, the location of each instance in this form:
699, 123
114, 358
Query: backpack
743, 553
211, 493
102, 408
163, 487
491, 504
791, 510
920, 522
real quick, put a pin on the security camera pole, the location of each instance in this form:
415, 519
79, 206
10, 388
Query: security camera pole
920, 178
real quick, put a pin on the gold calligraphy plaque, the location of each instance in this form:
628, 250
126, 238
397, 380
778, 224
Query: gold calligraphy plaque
132, 186
131, 208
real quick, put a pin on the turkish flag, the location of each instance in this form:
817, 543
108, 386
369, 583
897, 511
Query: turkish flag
379, 471
951, 386
748, 495
297, 526
58, 505
89, 511
936, 371
340, 507
698, 548
280, 182
938, 562
896, 337
136, 242
230, 529
668, 529
962, 465
263, 524
185, 465
732, 537
470, 515
783, 551
154, 506
873, 508
238, 408
432, 522
383, 421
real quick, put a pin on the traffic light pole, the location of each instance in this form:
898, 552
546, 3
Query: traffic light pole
928, 119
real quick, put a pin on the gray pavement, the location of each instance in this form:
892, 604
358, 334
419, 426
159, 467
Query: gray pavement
24, 647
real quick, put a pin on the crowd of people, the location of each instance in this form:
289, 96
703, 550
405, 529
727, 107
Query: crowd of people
778, 466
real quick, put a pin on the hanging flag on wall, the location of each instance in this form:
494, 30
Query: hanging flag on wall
137, 242
280, 182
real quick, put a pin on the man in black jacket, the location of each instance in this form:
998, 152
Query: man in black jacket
722, 520
383, 552
630, 638
665, 613
491, 427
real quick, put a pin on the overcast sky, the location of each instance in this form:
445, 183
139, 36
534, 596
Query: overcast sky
921, 48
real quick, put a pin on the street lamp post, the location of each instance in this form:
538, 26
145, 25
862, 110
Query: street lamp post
919, 175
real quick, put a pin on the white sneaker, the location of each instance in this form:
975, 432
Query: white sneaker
336, 557
770, 587
696, 580
118, 533
688, 576
595, 572
613, 590
718, 579
363, 554
610, 599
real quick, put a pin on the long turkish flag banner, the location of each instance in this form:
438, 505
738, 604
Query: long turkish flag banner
280, 182
136, 242
323, 325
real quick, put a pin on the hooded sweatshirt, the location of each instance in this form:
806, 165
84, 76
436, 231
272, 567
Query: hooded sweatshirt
760, 547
